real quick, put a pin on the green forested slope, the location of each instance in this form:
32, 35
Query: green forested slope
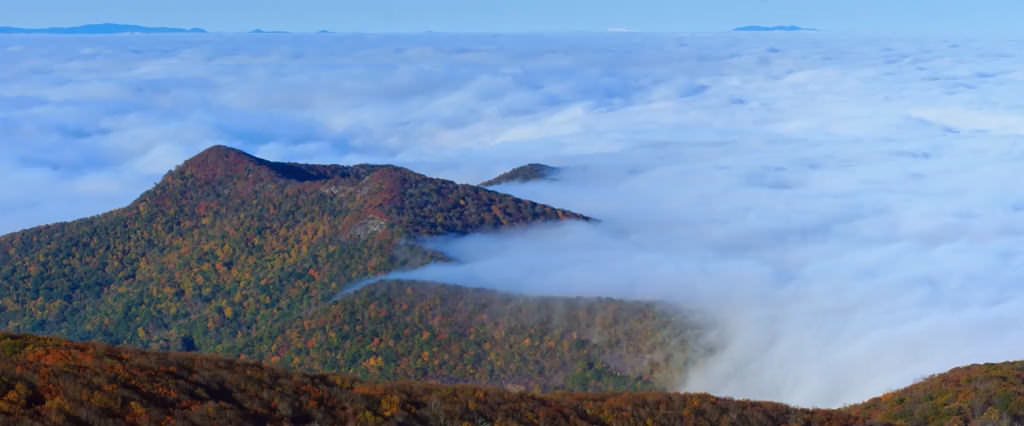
449, 334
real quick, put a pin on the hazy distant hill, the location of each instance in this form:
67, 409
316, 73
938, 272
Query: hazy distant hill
99, 29
525, 173
773, 28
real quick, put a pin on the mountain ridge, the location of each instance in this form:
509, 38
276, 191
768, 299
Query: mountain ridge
776, 28
53, 381
220, 161
522, 174
104, 28
240, 256
224, 218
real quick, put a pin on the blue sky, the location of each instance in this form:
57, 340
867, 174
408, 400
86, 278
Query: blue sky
954, 17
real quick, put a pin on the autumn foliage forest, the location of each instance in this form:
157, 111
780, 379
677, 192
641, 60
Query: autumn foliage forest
48, 380
235, 255
52, 381
448, 334
231, 287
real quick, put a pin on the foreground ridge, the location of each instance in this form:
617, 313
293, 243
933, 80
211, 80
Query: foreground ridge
52, 381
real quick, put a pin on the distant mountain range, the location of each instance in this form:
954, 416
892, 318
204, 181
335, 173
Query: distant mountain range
108, 28
100, 29
260, 31
122, 29
773, 28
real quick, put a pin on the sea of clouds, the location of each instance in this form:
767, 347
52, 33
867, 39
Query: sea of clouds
845, 209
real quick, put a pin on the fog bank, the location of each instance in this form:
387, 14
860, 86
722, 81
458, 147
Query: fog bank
844, 207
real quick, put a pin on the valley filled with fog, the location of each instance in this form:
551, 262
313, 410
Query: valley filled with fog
841, 210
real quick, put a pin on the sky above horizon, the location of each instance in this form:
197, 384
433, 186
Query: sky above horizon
943, 17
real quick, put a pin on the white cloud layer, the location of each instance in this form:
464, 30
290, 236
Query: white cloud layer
844, 207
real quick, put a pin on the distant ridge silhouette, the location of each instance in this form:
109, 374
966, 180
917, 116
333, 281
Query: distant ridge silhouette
106, 28
773, 28
260, 31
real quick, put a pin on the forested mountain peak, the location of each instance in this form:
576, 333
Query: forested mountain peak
222, 178
228, 244
221, 161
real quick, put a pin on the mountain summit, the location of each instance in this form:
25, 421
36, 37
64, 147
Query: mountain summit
223, 162
228, 243
226, 179
525, 173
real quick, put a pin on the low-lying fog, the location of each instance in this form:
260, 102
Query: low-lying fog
845, 209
